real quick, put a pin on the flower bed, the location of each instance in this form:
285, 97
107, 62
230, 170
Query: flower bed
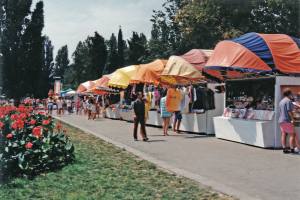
31, 143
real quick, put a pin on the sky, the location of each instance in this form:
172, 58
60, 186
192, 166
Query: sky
69, 21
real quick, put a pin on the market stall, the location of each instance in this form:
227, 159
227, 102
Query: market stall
121, 79
198, 118
263, 62
148, 74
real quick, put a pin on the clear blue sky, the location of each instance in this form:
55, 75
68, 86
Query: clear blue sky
69, 21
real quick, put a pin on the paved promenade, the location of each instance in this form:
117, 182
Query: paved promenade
243, 171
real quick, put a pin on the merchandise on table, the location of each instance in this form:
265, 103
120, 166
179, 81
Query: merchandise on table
250, 99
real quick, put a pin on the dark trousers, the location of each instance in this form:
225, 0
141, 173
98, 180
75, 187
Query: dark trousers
141, 121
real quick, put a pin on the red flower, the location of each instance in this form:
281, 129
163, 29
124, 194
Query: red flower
14, 126
46, 122
20, 124
14, 117
23, 115
9, 136
58, 126
37, 131
1, 125
28, 145
32, 122
41, 113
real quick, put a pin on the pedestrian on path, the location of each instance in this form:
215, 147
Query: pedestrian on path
139, 117
69, 106
286, 121
59, 104
165, 115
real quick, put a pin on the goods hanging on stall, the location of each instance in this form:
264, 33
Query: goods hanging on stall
251, 113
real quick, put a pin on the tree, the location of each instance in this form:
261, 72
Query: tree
13, 25
113, 57
61, 61
166, 38
98, 55
137, 48
48, 64
35, 67
79, 71
276, 16
121, 48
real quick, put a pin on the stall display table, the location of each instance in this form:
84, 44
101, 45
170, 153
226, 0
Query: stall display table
253, 132
154, 119
193, 122
126, 114
112, 113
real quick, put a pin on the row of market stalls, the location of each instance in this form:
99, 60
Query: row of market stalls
241, 106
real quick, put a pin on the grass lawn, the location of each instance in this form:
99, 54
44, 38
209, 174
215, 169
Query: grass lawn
102, 171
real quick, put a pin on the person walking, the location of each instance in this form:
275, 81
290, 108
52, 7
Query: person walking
59, 104
165, 115
286, 121
139, 117
50, 105
78, 105
69, 106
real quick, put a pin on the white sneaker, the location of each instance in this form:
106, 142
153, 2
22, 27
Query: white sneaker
297, 150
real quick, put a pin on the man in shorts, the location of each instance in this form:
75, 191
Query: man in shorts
286, 121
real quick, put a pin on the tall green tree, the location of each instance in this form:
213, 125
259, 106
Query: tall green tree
112, 63
137, 48
48, 64
121, 48
14, 23
61, 61
79, 70
34, 70
98, 55
89, 61
166, 38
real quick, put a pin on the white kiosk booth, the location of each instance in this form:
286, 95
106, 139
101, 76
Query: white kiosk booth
195, 122
203, 123
258, 126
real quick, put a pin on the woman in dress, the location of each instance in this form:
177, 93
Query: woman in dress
166, 116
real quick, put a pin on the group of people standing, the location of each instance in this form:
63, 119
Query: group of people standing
170, 104
61, 104
91, 107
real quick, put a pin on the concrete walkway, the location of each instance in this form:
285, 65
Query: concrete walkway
243, 171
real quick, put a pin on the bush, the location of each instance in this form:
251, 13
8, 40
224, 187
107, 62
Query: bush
31, 143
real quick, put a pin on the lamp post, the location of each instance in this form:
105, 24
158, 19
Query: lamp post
57, 85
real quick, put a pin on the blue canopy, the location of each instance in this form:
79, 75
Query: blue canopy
257, 45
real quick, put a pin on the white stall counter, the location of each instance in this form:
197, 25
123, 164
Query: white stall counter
195, 123
154, 118
112, 113
252, 132
126, 114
